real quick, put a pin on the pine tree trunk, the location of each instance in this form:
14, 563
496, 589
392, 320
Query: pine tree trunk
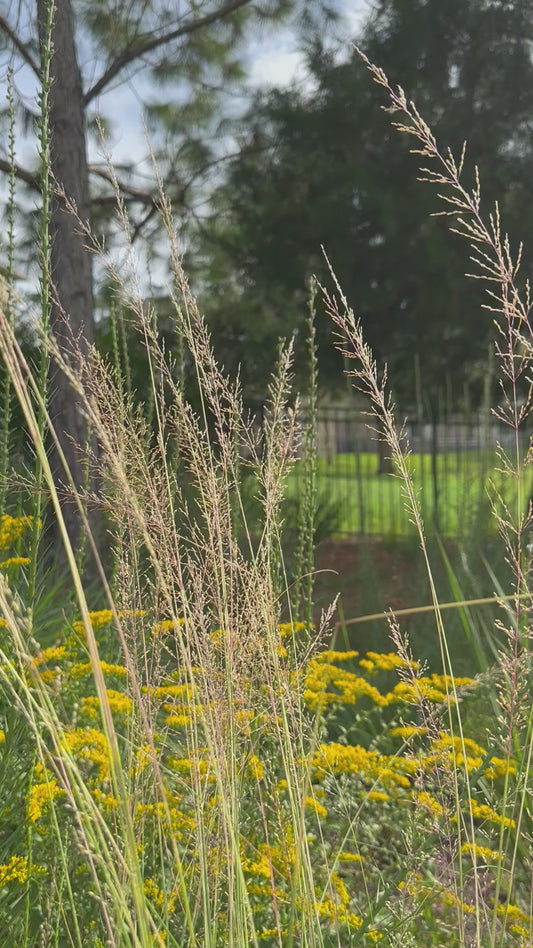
385, 465
72, 312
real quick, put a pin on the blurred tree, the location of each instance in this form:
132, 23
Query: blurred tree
194, 50
324, 167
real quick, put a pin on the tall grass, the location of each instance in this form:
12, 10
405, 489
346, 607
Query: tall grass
184, 760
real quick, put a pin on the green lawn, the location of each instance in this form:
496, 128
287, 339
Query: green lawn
453, 492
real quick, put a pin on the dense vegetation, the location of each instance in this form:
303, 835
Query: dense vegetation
186, 757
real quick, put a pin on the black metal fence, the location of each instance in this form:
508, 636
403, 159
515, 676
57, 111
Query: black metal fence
457, 468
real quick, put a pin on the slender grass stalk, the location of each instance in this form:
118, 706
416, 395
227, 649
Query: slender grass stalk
307, 509
45, 274
9, 303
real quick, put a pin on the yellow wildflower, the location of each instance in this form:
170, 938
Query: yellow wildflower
40, 796
520, 931
167, 625
97, 620
500, 767
105, 800
480, 852
459, 744
177, 720
118, 702
349, 857
47, 655
256, 768
327, 657
327, 908
290, 628
89, 744
481, 811
171, 691
14, 561
407, 731
513, 913
317, 807
2, 736
384, 661
82, 670
321, 678
259, 867
103, 616
12, 528
340, 888
159, 898
430, 803
16, 869
338, 758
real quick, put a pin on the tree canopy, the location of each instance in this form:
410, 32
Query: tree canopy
324, 167
76, 51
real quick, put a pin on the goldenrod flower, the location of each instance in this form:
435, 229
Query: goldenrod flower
40, 796
317, 807
118, 702
47, 655
14, 561
483, 812
16, 870
12, 528
256, 768
82, 670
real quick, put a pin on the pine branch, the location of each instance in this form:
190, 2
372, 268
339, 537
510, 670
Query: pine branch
27, 176
154, 42
19, 45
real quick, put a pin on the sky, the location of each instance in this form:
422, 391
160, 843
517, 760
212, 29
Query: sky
273, 58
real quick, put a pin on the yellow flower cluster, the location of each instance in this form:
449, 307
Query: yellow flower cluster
85, 669
481, 852
103, 617
349, 857
89, 744
15, 561
481, 811
325, 684
322, 677
513, 913
179, 821
159, 898
407, 731
18, 870
48, 655
119, 703
339, 914
316, 807
379, 661
255, 767
291, 628
340, 758
434, 688
12, 528
429, 803
166, 626
40, 796
15, 870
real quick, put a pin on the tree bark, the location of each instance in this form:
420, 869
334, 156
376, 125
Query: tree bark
72, 310
385, 465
